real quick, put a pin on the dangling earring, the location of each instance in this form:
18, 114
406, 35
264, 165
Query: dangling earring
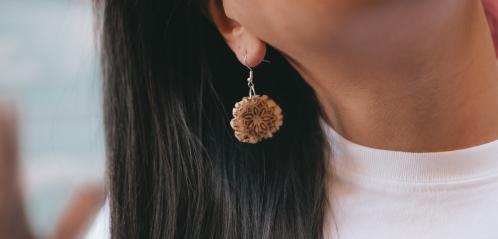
255, 117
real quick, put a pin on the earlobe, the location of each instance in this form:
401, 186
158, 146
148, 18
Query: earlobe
249, 49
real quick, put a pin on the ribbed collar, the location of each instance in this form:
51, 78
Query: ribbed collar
355, 162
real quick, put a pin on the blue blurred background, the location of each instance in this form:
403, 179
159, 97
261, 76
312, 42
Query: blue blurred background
49, 69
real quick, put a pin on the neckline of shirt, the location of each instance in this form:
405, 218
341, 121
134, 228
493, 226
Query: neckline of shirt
359, 163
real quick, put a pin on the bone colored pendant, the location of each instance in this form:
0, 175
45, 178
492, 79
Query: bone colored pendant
256, 118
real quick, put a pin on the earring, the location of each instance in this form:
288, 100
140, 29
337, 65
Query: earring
255, 117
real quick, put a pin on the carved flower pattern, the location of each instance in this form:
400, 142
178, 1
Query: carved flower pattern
256, 118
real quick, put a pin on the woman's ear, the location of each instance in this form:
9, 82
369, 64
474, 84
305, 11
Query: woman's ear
249, 49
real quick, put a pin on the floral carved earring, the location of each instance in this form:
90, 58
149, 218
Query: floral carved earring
255, 117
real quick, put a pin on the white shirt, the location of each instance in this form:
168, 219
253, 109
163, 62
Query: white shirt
382, 194
101, 226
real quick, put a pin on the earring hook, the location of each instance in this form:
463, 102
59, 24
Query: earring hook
250, 79
247, 65
250, 83
245, 62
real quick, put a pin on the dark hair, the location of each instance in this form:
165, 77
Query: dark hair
175, 168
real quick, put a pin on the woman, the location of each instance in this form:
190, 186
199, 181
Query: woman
390, 119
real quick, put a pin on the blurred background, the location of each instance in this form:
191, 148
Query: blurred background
49, 84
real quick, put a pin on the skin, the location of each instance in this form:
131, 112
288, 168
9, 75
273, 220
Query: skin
492, 14
417, 76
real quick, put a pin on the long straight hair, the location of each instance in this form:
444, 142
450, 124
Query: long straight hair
175, 168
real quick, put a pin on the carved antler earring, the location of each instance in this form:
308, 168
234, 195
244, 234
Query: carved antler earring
255, 117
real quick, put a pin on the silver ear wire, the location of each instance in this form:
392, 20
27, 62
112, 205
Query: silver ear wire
250, 79
245, 62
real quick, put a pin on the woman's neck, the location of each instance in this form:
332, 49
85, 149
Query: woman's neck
410, 76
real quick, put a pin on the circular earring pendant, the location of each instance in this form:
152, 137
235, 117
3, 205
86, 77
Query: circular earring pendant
256, 118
